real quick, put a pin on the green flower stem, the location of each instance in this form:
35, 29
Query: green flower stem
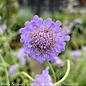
7, 78
52, 71
66, 74
28, 76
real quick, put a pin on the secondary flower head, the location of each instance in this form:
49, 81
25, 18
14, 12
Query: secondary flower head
43, 40
84, 48
3, 27
76, 53
13, 69
58, 62
21, 56
43, 79
78, 21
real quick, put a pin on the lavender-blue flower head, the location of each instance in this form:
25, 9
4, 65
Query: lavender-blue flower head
58, 62
76, 53
3, 27
13, 69
21, 56
78, 21
84, 48
43, 40
43, 79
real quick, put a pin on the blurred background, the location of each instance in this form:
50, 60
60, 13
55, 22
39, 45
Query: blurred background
13, 14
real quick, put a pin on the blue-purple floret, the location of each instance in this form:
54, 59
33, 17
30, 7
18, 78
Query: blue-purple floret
21, 56
43, 40
43, 79
13, 69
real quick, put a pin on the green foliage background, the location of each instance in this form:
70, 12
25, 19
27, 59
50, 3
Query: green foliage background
14, 17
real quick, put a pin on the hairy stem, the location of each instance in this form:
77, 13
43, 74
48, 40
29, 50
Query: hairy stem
52, 71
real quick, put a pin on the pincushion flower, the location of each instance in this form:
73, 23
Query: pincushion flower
76, 53
13, 69
43, 79
3, 27
21, 56
78, 21
58, 62
43, 40
84, 48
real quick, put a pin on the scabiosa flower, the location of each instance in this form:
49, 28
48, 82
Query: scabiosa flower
84, 48
78, 21
58, 62
13, 69
3, 27
21, 56
43, 40
43, 79
75, 53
